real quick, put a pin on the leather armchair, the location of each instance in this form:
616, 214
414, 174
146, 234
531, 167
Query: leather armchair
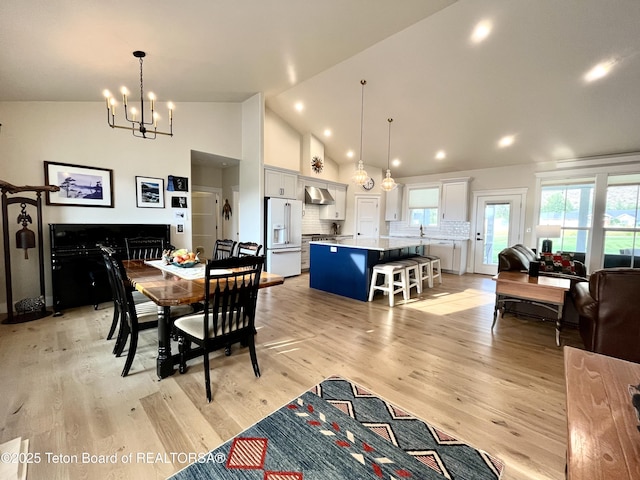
609, 318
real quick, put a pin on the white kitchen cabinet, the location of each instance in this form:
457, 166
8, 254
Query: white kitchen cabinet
337, 211
452, 253
280, 184
393, 211
455, 200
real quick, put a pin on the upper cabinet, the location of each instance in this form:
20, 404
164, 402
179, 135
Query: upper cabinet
393, 210
280, 183
338, 210
455, 193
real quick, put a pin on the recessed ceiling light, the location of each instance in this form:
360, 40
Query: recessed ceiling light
481, 31
396, 162
441, 155
506, 141
350, 154
327, 132
299, 106
599, 71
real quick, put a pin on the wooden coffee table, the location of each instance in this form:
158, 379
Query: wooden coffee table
547, 292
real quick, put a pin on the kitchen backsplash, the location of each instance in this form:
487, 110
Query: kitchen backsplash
446, 229
311, 222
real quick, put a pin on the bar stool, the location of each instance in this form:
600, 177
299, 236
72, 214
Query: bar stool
425, 269
390, 285
414, 277
436, 271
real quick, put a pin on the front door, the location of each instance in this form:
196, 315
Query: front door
497, 226
367, 217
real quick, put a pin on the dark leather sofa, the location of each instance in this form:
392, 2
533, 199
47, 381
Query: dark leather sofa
519, 257
609, 316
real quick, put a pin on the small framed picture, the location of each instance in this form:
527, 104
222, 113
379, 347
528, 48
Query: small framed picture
79, 186
179, 202
149, 192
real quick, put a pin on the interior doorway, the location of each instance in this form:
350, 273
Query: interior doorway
206, 210
367, 217
499, 223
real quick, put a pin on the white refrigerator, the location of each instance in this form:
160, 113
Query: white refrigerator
284, 236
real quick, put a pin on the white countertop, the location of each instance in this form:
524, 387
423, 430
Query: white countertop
432, 237
379, 244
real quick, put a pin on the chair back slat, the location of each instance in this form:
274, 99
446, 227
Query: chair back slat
248, 248
223, 249
230, 297
144, 248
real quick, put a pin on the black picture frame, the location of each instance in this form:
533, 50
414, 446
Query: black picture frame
80, 186
178, 202
149, 192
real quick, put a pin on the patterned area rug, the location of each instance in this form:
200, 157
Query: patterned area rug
340, 431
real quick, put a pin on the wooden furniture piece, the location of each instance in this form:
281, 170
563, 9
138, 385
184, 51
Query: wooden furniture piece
547, 292
231, 292
390, 285
144, 248
245, 249
168, 290
603, 440
22, 235
223, 249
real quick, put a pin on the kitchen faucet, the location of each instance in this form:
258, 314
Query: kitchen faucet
421, 231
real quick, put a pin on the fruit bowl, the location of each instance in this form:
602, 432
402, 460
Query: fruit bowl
187, 264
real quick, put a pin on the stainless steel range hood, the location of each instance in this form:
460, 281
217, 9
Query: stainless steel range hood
318, 196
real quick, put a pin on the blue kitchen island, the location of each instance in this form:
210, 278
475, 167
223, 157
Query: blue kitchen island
344, 268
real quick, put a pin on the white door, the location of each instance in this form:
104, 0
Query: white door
498, 224
205, 212
367, 217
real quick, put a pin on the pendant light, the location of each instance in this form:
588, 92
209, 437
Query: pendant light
360, 177
389, 183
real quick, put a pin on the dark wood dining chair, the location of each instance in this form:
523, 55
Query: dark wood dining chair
245, 249
132, 320
134, 316
144, 248
223, 249
143, 304
231, 292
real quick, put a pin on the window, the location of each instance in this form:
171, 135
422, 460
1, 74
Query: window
423, 206
622, 222
570, 205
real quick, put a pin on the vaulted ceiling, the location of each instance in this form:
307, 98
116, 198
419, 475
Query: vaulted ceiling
526, 79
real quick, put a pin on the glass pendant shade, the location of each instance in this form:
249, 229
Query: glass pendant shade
360, 176
388, 183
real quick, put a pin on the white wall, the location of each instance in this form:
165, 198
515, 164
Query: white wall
282, 144
77, 133
251, 216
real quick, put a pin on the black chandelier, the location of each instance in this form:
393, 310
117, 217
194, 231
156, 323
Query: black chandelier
138, 126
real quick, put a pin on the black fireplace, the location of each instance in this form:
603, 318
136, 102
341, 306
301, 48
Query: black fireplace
78, 275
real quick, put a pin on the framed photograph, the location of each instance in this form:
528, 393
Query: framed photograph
177, 184
79, 186
179, 202
149, 192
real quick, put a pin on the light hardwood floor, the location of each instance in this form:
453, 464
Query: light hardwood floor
500, 391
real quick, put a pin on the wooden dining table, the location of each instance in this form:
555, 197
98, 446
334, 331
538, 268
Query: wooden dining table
167, 290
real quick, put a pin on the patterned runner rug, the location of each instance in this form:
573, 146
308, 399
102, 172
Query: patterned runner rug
340, 431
